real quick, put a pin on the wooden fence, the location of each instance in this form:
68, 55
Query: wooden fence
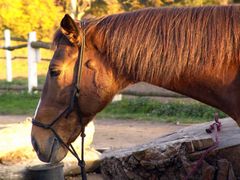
33, 55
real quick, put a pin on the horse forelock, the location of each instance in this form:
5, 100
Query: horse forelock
167, 42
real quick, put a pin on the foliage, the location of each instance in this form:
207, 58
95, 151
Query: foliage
104, 7
24, 16
98, 8
130, 5
200, 2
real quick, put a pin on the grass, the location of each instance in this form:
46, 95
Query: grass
138, 109
20, 103
148, 109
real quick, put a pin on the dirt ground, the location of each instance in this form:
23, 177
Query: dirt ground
115, 134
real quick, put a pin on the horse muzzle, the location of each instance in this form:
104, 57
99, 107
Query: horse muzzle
50, 151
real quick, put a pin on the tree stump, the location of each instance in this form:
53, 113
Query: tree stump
176, 156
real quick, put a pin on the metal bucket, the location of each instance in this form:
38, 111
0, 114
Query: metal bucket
45, 172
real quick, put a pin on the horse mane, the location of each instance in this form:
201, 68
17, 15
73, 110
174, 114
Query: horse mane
169, 42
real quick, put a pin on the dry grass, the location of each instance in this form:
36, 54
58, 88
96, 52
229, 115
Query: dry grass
20, 66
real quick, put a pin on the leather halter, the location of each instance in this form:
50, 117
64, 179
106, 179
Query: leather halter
74, 103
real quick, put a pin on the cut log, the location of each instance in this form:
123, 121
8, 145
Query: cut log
177, 155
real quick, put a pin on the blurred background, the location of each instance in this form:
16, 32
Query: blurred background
21, 17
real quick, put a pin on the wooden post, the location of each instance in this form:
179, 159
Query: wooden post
33, 55
7, 38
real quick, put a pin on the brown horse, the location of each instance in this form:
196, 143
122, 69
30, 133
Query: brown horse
194, 51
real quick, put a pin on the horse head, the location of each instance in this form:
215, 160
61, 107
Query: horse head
97, 86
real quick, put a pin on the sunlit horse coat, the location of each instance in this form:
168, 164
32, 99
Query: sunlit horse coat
193, 51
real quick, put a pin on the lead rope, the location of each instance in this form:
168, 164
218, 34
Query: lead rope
214, 127
81, 162
74, 100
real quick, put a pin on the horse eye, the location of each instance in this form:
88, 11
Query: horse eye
54, 73
91, 64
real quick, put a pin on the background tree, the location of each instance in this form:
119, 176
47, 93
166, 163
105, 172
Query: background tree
202, 2
105, 7
23, 16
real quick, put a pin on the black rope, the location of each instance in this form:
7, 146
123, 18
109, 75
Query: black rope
83, 172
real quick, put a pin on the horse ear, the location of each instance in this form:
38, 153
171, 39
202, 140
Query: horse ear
70, 29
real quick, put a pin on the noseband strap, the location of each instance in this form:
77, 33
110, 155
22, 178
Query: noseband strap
73, 105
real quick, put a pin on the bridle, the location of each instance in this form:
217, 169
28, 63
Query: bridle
74, 103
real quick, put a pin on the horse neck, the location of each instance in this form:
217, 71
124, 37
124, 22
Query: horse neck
203, 85
219, 92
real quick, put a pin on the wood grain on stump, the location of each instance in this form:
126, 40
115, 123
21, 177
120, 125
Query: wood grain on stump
175, 156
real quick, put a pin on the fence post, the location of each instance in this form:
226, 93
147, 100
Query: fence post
7, 39
117, 97
32, 62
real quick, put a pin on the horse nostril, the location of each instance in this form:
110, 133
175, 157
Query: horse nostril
35, 145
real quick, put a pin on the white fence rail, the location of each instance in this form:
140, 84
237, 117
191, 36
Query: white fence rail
33, 56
